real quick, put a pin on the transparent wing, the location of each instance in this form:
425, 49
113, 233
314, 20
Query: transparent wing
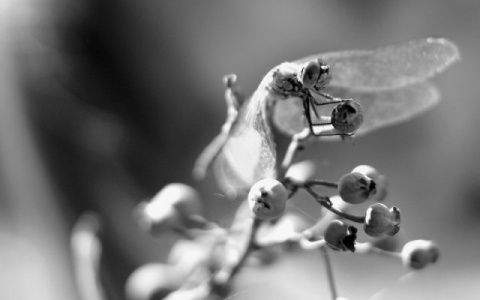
389, 67
380, 108
249, 153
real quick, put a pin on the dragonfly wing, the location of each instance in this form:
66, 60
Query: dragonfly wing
380, 108
383, 108
389, 67
249, 153
288, 116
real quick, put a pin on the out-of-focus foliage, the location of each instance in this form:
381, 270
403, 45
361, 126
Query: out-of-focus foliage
105, 102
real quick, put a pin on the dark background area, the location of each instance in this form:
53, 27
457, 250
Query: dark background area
104, 102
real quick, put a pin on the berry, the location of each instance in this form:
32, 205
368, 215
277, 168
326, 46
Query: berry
172, 207
289, 225
286, 231
267, 199
152, 281
381, 221
379, 179
340, 236
418, 254
315, 232
355, 188
157, 220
301, 171
347, 116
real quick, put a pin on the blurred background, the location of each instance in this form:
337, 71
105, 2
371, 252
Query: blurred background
104, 102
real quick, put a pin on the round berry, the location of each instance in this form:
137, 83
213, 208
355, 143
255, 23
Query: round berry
379, 179
172, 207
267, 199
381, 221
152, 281
157, 221
340, 236
290, 224
184, 198
355, 188
315, 232
418, 254
301, 171
367, 170
347, 116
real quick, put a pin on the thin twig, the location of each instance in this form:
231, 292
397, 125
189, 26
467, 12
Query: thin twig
297, 144
248, 248
86, 252
328, 267
369, 248
325, 202
326, 183
221, 280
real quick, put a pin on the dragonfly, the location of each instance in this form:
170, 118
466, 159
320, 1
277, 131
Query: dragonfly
390, 85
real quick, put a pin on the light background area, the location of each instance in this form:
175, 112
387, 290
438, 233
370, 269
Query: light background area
105, 102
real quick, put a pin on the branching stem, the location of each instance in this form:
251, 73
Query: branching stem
296, 146
325, 202
248, 248
326, 183
220, 282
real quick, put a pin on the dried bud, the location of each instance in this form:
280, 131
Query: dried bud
418, 254
347, 116
340, 236
355, 188
379, 179
170, 208
380, 221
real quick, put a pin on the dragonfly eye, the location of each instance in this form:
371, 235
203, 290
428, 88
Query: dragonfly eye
315, 74
310, 73
325, 75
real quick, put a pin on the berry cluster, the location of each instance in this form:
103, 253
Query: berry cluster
203, 264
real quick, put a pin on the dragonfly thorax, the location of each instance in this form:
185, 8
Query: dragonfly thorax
284, 80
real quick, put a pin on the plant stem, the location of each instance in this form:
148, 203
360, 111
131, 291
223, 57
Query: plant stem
328, 267
321, 182
368, 248
325, 202
248, 248
86, 252
296, 145
328, 205
219, 283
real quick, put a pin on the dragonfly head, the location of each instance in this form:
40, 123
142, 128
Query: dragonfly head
315, 74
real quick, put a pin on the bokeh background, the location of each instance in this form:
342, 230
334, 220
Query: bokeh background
104, 102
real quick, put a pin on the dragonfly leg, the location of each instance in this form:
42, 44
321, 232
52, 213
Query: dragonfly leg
322, 124
314, 102
331, 99
306, 108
